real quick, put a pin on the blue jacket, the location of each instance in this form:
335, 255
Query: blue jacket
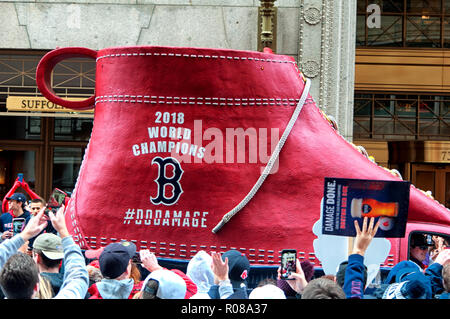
354, 277
445, 295
434, 273
225, 291
76, 277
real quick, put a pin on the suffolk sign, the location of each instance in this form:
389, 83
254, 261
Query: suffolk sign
38, 104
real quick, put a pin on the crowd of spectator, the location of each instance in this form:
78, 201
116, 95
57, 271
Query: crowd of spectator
41, 260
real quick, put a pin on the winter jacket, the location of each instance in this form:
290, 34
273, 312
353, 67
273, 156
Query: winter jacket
200, 272
434, 273
191, 287
76, 278
56, 280
354, 277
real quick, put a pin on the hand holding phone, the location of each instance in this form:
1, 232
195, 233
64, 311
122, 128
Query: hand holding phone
57, 198
59, 223
296, 280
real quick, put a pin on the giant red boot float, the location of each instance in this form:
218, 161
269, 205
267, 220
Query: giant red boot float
160, 168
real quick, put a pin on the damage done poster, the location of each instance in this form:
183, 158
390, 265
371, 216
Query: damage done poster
348, 199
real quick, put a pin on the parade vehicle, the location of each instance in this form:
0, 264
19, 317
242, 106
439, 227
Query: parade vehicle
212, 149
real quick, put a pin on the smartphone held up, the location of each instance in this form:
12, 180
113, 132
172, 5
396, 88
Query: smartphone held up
56, 200
18, 225
288, 263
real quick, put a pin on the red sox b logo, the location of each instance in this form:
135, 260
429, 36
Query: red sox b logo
164, 196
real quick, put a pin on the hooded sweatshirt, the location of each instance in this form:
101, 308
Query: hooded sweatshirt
354, 277
170, 284
200, 272
112, 289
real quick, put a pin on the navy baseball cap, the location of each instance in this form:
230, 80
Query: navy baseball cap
18, 197
419, 240
115, 257
239, 267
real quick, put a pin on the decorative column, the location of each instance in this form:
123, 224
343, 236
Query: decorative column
327, 56
267, 25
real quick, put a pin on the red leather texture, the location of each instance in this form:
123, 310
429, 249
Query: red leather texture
214, 90
46, 65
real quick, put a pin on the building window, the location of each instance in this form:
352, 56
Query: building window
73, 129
403, 23
66, 165
401, 116
20, 128
46, 146
72, 78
